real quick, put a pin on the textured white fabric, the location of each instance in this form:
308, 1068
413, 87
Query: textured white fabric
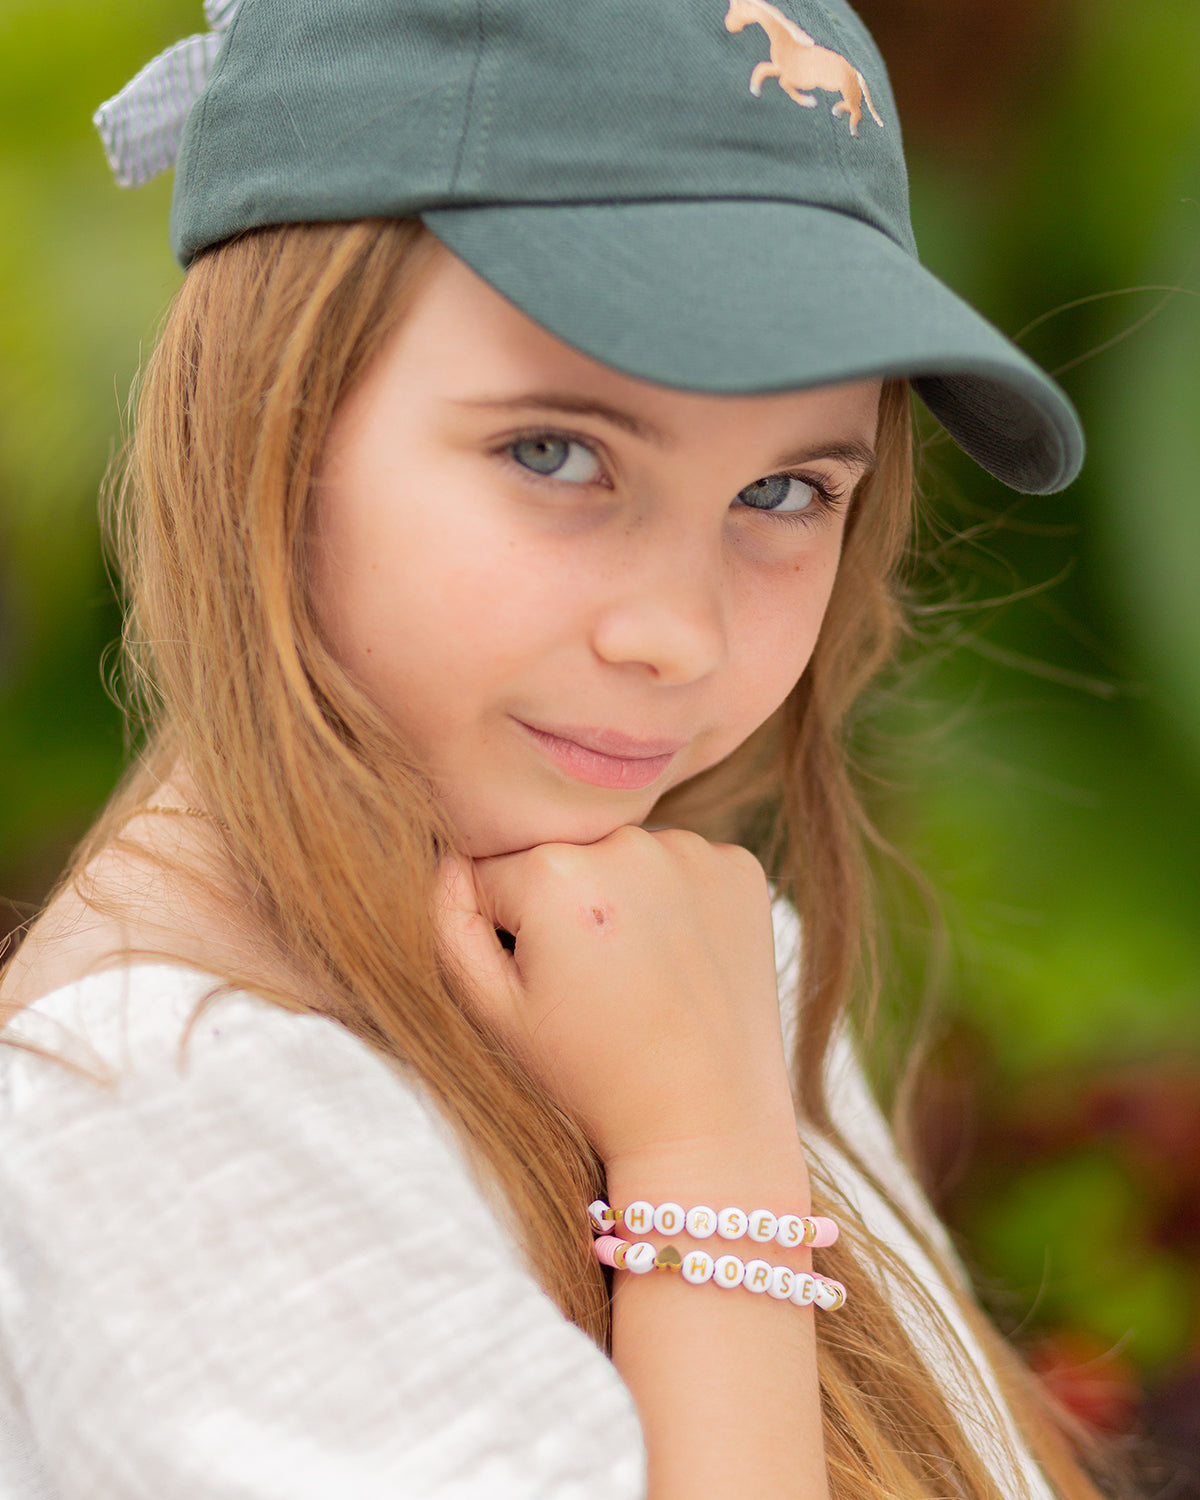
257, 1267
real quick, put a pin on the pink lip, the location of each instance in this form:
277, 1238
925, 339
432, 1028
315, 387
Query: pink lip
605, 757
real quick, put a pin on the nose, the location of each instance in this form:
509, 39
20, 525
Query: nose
667, 616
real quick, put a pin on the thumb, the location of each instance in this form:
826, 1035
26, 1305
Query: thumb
468, 941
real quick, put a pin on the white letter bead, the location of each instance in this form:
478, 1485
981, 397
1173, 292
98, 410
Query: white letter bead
668, 1218
757, 1277
731, 1223
789, 1231
803, 1287
829, 1295
781, 1283
728, 1271
701, 1222
638, 1218
640, 1258
596, 1212
762, 1226
697, 1267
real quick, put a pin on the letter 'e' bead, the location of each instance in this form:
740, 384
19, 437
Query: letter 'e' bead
762, 1226
803, 1287
781, 1283
701, 1222
731, 1223
697, 1267
757, 1277
668, 1218
728, 1271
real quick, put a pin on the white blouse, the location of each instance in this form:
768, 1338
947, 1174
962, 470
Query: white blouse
256, 1266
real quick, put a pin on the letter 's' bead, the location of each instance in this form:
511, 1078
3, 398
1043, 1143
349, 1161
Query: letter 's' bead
803, 1287
728, 1271
668, 1218
781, 1283
789, 1231
758, 1276
640, 1258
701, 1222
697, 1267
596, 1212
638, 1218
762, 1226
731, 1223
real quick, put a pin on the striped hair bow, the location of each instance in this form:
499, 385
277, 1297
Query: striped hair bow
141, 127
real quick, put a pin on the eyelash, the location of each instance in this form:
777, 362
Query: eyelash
828, 499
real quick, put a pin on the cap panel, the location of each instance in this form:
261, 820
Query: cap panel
356, 112
371, 107
670, 114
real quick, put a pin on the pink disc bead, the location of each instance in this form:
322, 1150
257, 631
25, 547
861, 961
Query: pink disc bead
606, 1249
826, 1232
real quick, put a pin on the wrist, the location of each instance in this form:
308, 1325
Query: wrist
749, 1172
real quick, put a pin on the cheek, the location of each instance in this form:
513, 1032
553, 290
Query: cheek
779, 615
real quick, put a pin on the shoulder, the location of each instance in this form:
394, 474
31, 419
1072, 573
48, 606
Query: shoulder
239, 1243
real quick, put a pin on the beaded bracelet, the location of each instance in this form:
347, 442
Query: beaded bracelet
697, 1267
789, 1230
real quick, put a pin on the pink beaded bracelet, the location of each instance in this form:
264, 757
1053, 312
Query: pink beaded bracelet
696, 1267
789, 1230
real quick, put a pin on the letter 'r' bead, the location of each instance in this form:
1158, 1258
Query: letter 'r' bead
731, 1223
701, 1222
757, 1277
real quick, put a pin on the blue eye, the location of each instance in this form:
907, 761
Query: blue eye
782, 493
555, 457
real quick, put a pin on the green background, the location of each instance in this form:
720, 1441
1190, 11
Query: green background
1042, 750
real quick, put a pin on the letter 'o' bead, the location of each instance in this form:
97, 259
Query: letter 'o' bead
781, 1283
728, 1271
668, 1218
640, 1258
731, 1223
697, 1267
638, 1218
757, 1277
762, 1226
701, 1222
789, 1231
803, 1287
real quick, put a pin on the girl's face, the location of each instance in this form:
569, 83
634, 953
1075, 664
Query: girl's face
570, 589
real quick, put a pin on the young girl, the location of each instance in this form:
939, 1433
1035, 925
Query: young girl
511, 523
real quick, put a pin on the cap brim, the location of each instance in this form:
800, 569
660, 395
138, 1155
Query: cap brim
754, 296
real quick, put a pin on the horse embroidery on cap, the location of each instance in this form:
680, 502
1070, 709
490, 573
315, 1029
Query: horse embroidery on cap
800, 65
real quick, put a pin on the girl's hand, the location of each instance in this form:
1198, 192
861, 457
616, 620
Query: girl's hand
642, 990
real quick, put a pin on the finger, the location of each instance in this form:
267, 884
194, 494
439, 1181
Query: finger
468, 939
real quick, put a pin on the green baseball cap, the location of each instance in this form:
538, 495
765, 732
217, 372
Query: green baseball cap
709, 194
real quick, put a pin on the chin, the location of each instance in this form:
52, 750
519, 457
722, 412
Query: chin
484, 839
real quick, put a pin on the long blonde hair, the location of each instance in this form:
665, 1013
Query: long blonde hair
332, 835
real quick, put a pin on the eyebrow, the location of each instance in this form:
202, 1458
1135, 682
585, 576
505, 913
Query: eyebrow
855, 454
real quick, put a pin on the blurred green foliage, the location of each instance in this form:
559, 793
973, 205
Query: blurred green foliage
1048, 765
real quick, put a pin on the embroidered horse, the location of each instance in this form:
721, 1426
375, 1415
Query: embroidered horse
800, 65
